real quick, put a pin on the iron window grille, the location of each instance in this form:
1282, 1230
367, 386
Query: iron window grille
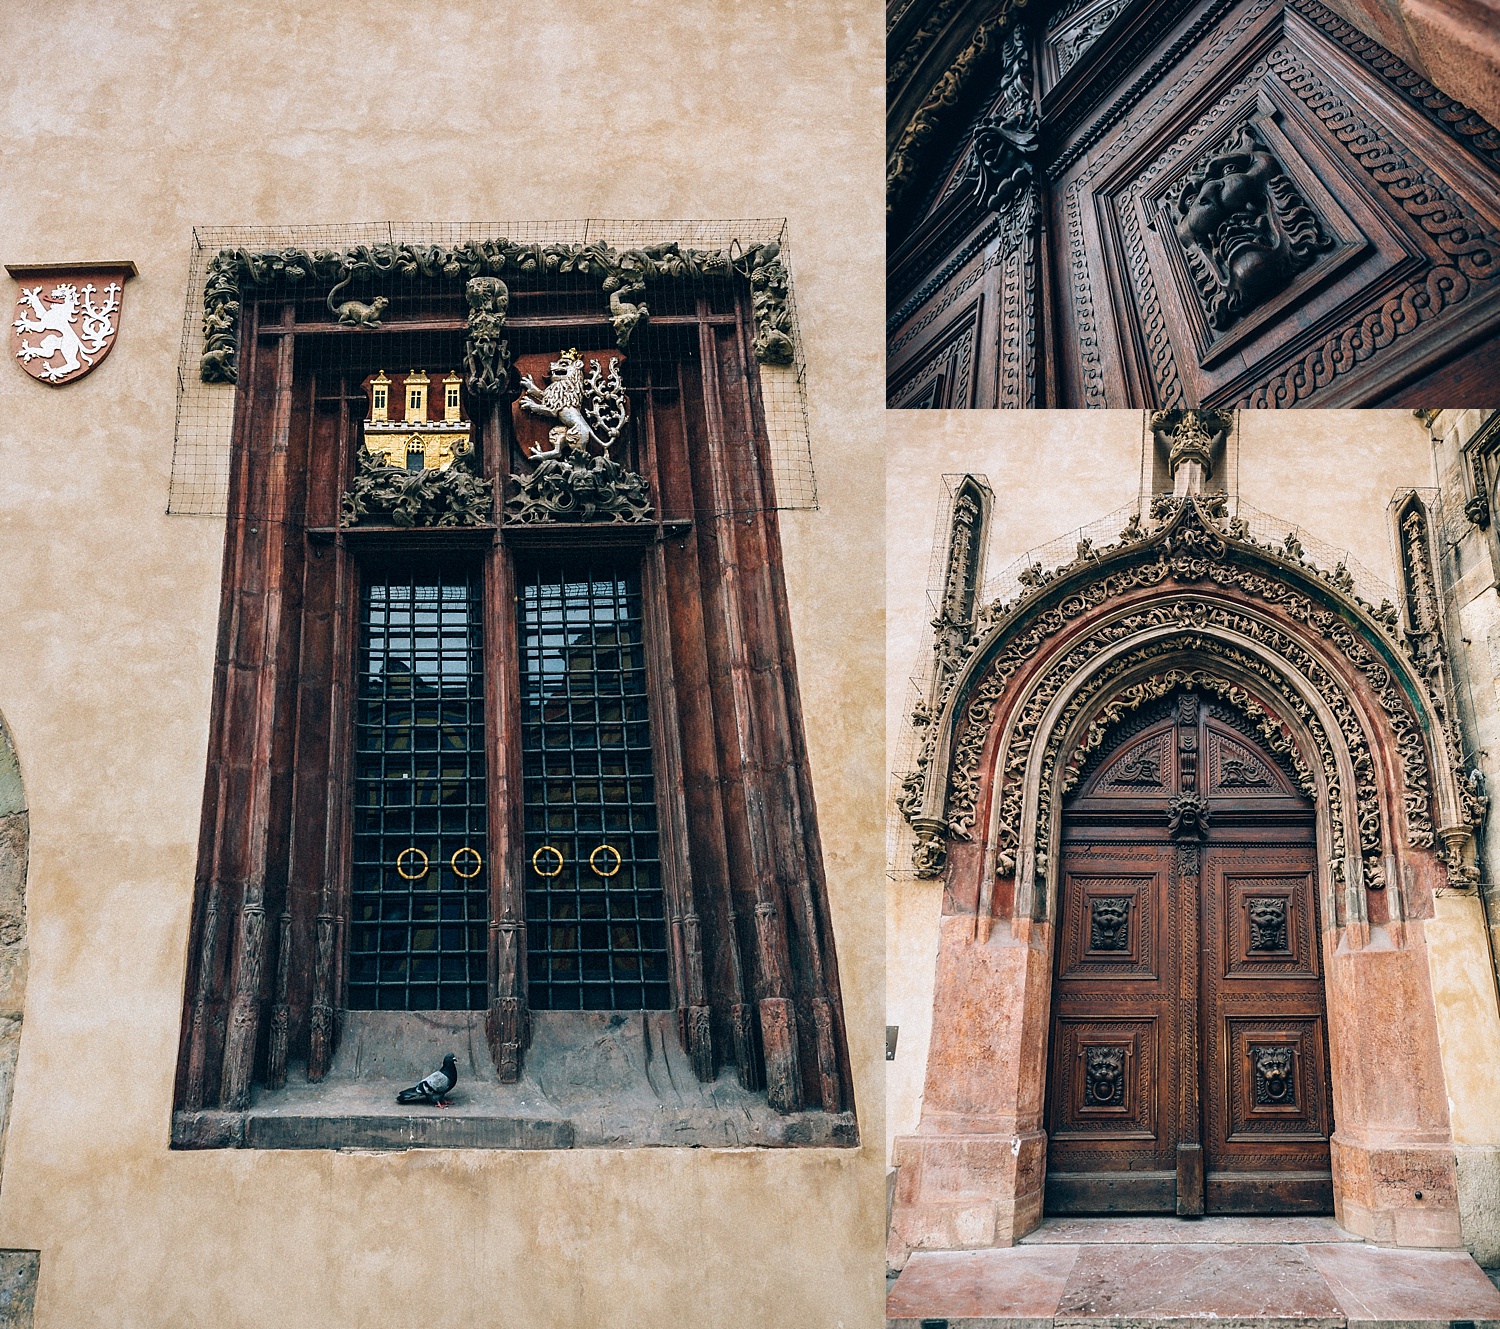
596, 931
418, 892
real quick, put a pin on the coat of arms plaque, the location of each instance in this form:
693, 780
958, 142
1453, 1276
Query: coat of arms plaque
66, 318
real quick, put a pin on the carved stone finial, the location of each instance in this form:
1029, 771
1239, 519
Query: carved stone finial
1190, 439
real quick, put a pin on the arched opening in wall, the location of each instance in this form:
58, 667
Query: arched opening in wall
1188, 1056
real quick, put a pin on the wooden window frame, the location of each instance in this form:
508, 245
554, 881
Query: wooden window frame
753, 969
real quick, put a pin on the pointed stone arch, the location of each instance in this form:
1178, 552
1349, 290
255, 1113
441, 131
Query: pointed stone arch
1194, 602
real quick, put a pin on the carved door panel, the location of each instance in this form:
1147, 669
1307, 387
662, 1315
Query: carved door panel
1253, 204
1188, 1070
1267, 1114
1113, 1125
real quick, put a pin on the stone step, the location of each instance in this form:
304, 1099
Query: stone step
1066, 1277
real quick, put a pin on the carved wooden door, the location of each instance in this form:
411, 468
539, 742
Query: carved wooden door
1189, 1061
1263, 213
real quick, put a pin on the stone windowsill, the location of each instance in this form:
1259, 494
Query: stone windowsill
592, 1079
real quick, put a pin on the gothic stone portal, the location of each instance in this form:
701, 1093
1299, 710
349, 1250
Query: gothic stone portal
1189, 1052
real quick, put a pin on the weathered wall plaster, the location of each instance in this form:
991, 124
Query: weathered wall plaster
158, 118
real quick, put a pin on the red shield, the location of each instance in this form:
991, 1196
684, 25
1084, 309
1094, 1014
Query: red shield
66, 317
532, 428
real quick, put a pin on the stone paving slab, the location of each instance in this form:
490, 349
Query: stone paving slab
1218, 1228
1378, 1286
972, 1288
1066, 1277
1240, 1287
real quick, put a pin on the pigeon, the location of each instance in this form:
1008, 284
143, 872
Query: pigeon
435, 1088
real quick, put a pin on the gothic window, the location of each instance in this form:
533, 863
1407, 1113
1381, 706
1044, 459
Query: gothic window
506, 726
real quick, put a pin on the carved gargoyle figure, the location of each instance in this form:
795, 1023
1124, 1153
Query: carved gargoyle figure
1273, 1076
1109, 923
1245, 230
486, 351
1267, 923
1104, 1071
1187, 817
588, 408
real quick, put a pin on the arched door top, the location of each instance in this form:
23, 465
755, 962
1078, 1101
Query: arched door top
1197, 576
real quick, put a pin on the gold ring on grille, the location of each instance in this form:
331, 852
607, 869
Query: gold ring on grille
478, 862
546, 849
400, 868
599, 872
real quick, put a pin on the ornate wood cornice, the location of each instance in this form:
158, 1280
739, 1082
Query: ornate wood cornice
625, 275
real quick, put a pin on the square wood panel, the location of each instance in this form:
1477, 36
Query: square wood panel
1268, 926
1109, 927
1275, 1070
1104, 1073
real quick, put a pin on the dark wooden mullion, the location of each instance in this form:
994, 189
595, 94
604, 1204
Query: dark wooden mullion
694, 1020
508, 1020
205, 1030
807, 878
327, 937
263, 644
778, 1016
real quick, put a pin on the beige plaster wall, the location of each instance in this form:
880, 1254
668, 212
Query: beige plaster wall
128, 123
1331, 472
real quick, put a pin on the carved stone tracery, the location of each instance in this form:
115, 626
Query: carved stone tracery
1193, 543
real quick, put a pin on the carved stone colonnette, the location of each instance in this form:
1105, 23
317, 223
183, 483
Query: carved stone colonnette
1328, 682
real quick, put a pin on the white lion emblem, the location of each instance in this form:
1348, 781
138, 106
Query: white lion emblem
65, 307
590, 407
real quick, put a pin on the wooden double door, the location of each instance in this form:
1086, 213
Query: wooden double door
1189, 1049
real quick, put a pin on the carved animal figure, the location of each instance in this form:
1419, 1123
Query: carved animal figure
1267, 924
1273, 1075
1109, 919
355, 313
1104, 1070
587, 409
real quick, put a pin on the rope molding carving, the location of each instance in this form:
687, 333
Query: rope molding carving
1193, 542
624, 275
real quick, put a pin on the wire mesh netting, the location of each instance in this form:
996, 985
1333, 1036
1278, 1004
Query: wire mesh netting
1024, 573
205, 411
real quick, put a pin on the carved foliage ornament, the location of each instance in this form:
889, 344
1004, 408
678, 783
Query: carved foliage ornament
66, 319
454, 496
1244, 228
623, 274
1204, 548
